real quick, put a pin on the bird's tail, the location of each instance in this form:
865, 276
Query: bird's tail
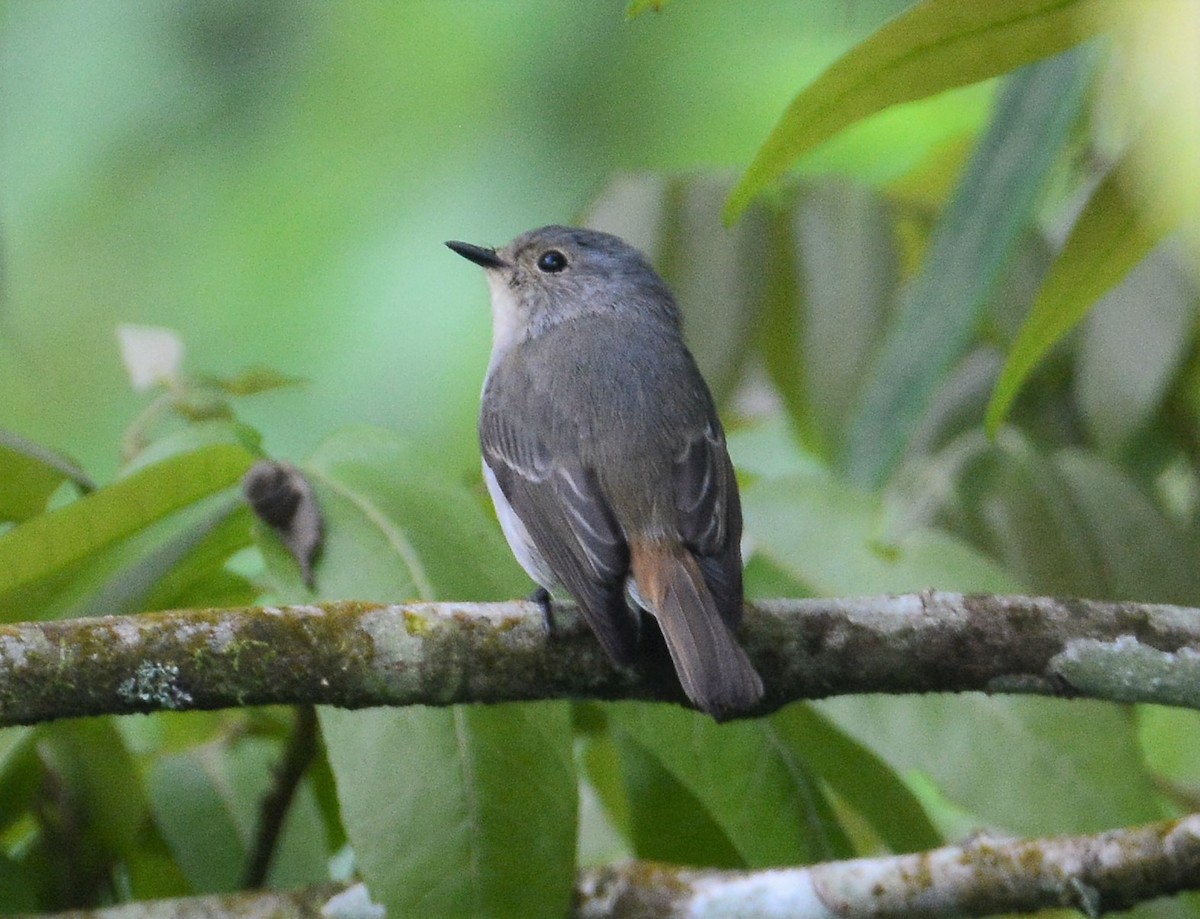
713, 669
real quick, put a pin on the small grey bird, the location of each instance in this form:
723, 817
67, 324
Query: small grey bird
605, 458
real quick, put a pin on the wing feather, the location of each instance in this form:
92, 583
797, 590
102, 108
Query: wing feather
563, 508
710, 516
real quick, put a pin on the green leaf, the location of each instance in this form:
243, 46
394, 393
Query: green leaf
1029, 766
1132, 348
838, 249
1140, 553
1008, 499
1113, 234
398, 528
606, 829
206, 801
637, 7
831, 538
199, 577
252, 382
17, 887
972, 244
450, 812
752, 784
107, 551
667, 823
1065, 524
457, 812
30, 474
860, 778
108, 805
933, 46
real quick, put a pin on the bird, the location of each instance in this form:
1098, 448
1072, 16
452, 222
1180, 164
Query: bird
605, 458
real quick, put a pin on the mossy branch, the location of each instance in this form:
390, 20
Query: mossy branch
985, 876
359, 654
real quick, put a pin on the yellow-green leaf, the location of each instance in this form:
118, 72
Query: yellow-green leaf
1113, 234
934, 46
48, 544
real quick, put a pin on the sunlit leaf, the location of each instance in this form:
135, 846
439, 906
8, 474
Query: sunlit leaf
972, 244
933, 46
42, 555
1114, 233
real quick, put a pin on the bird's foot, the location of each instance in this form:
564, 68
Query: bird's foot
541, 597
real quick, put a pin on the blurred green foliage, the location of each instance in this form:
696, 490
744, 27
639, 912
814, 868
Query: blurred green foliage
273, 180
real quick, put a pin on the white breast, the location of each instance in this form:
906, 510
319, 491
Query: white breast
506, 319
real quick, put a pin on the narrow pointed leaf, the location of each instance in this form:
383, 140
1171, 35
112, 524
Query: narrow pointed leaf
862, 779
1114, 233
971, 246
934, 46
52, 545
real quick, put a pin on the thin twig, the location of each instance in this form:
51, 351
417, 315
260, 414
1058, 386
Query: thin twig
297, 757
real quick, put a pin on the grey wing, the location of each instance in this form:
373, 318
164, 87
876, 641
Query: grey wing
710, 516
563, 508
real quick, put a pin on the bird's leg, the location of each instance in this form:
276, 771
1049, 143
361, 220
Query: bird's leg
541, 597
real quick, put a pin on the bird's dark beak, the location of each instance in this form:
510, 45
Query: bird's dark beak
487, 258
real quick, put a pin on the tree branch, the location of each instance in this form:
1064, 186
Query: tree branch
358, 654
1095, 874
318, 902
1107, 871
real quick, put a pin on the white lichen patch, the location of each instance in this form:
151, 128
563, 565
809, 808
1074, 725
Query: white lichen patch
399, 644
307, 609
353, 903
12, 651
15, 650
155, 684
221, 636
126, 632
764, 895
1125, 670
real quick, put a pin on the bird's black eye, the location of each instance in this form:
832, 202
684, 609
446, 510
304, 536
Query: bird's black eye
551, 261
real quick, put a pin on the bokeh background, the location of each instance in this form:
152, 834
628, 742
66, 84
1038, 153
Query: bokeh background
274, 180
